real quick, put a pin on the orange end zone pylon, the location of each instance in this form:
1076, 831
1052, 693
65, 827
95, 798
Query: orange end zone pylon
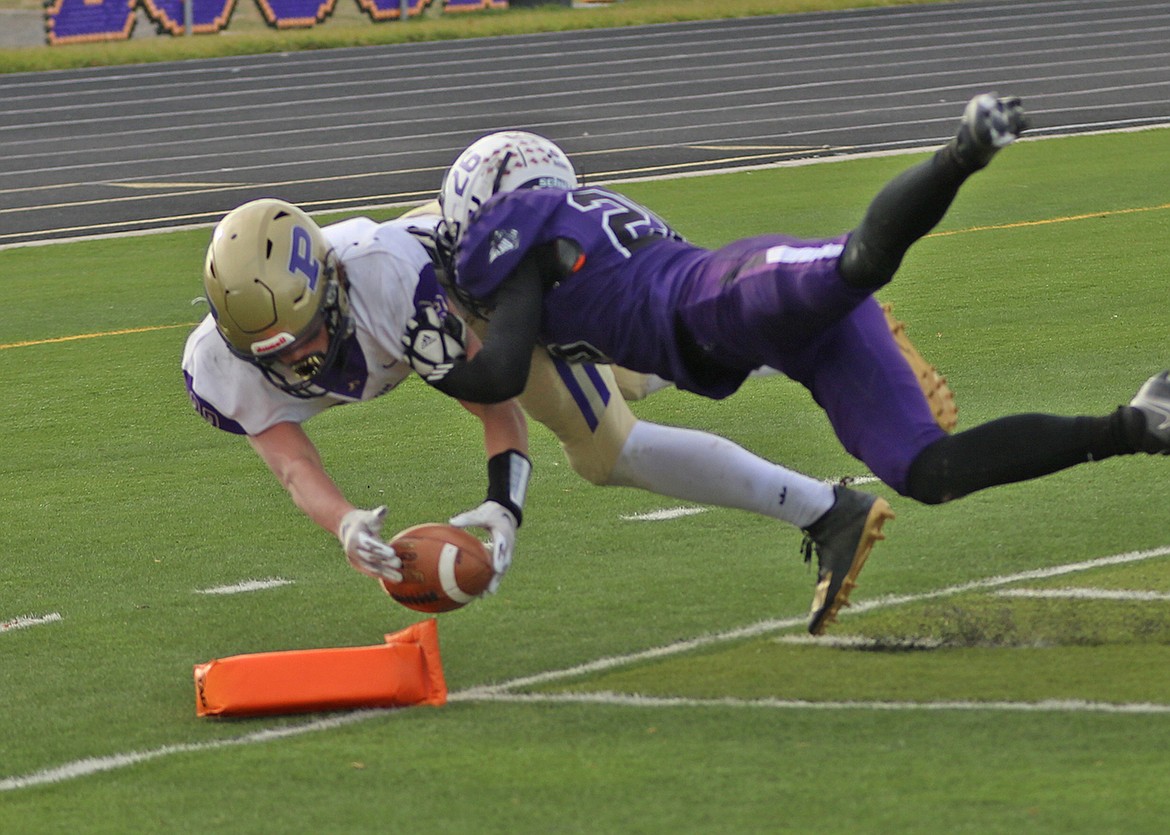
404, 671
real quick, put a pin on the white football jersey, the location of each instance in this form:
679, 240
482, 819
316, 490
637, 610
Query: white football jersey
390, 278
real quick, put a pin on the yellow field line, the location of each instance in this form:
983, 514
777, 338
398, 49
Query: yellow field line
1023, 223
1015, 225
75, 337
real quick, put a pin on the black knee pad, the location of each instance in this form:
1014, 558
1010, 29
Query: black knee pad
866, 266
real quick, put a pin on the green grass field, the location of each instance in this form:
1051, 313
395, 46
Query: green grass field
631, 676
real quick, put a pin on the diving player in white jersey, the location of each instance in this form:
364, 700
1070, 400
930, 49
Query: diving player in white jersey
304, 319
307, 317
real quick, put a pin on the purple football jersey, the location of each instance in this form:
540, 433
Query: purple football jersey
643, 298
620, 305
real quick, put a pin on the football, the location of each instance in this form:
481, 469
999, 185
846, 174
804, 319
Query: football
443, 568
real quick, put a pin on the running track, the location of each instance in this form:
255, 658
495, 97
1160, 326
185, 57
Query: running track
111, 150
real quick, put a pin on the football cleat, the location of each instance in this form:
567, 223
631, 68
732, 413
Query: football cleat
842, 539
988, 124
1153, 401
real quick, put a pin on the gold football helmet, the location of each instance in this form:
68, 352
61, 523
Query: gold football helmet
273, 281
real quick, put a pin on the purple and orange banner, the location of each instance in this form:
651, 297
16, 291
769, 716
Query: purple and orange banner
89, 21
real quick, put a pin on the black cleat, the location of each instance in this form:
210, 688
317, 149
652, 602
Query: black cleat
842, 539
989, 123
1153, 401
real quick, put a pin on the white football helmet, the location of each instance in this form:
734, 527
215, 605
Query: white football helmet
499, 162
273, 281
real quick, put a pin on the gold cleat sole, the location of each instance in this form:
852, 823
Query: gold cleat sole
879, 514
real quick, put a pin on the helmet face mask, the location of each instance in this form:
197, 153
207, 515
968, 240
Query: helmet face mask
273, 282
496, 163
299, 377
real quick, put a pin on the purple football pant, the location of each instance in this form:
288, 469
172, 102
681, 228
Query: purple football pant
793, 312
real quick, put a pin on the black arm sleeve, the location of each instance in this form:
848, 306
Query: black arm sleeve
499, 370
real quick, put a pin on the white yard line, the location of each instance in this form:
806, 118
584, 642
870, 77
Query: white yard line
993, 582
96, 765
247, 586
628, 700
502, 692
664, 515
764, 627
25, 621
1085, 594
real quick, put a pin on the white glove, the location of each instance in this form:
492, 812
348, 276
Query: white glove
360, 534
501, 524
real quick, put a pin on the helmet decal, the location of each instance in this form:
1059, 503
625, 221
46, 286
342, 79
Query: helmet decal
301, 258
497, 163
460, 172
273, 344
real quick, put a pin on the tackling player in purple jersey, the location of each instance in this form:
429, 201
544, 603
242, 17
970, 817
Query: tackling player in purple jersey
593, 275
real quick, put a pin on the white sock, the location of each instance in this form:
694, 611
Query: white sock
705, 468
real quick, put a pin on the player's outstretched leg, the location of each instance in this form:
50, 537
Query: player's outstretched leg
1021, 447
1153, 401
843, 539
914, 202
988, 124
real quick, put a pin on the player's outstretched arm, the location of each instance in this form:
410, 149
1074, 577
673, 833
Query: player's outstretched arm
500, 514
499, 370
293, 459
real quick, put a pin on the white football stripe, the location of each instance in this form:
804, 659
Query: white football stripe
447, 574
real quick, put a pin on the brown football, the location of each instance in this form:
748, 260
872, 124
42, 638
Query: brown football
443, 568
